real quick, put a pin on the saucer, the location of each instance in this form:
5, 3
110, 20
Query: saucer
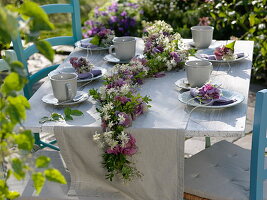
113, 59
183, 83
50, 99
192, 44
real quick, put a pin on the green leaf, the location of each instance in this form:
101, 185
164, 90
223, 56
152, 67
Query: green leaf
67, 111
68, 117
252, 19
8, 26
17, 167
11, 82
55, 176
95, 40
38, 181
39, 19
25, 140
76, 112
12, 195
231, 45
56, 116
19, 104
42, 161
45, 48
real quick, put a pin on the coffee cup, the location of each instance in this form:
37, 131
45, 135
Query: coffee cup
64, 86
198, 72
124, 48
202, 36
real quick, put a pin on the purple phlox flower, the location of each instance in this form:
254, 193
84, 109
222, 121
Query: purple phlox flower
159, 74
129, 149
166, 33
104, 124
175, 56
113, 19
157, 49
117, 83
122, 99
113, 7
209, 92
221, 51
140, 109
133, 5
127, 119
121, 29
123, 13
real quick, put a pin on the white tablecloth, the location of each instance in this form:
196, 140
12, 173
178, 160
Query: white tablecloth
159, 133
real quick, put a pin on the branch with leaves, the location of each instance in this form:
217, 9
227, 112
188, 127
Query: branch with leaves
16, 144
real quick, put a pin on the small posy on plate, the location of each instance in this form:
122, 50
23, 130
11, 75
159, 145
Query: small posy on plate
187, 99
224, 53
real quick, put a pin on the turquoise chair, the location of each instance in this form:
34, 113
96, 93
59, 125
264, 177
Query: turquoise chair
23, 54
228, 172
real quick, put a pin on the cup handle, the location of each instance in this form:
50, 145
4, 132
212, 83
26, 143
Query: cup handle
111, 50
69, 91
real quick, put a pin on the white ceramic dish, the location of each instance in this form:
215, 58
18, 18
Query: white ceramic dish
210, 52
50, 99
183, 83
113, 59
71, 70
187, 99
93, 48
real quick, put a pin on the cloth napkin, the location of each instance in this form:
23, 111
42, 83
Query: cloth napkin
91, 74
212, 102
213, 57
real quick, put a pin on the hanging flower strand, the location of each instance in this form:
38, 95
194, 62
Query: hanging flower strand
120, 104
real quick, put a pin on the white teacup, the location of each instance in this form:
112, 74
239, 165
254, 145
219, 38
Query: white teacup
202, 36
124, 48
64, 86
198, 72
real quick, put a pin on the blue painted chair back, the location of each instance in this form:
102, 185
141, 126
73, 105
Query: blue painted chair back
23, 54
259, 142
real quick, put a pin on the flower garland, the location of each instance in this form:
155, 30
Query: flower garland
120, 103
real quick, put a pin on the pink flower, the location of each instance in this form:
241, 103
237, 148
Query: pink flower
127, 119
122, 99
129, 149
204, 21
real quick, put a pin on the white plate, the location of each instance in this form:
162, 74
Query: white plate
67, 70
210, 51
113, 59
50, 99
183, 83
187, 99
96, 48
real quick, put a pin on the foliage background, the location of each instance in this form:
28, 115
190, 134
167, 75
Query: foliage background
245, 19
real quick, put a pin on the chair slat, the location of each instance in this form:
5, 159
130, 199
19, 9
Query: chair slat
55, 41
57, 8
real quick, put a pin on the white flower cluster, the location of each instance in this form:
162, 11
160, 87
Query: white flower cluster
107, 139
107, 41
159, 27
